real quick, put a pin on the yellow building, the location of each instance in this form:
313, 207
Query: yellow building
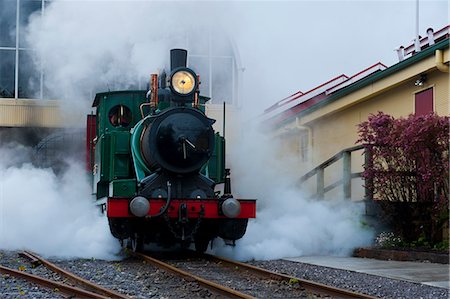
321, 123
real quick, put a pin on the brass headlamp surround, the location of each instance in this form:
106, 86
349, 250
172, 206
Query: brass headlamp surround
183, 82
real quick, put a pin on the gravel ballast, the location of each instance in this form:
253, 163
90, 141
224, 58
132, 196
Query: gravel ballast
130, 276
12, 288
373, 285
141, 280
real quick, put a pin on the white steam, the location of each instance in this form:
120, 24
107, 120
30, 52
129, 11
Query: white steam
86, 47
52, 215
288, 224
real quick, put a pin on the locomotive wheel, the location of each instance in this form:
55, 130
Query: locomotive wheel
201, 245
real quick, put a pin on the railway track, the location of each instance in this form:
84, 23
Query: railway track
223, 277
234, 279
82, 288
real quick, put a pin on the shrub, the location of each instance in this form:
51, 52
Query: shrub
409, 163
388, 240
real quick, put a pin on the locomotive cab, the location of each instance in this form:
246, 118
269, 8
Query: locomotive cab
156, 162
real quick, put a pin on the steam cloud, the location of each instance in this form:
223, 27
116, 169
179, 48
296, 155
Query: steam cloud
90, 46
288, 224
49, 214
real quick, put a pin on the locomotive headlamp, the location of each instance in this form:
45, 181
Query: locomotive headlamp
231, 207
183, 82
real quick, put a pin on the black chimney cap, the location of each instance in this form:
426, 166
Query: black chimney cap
178, 58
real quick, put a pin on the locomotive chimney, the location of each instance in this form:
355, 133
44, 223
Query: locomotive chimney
178, 58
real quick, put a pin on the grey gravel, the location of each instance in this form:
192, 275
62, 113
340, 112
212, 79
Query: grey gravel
135, 278
140, 280
373, 285
11, 287
242, 281
129, 276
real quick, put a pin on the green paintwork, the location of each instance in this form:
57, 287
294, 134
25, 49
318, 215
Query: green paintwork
119, 165
112, 151
132, 99
123, 188
141, 170
215, 168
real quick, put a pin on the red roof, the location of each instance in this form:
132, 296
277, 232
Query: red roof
299, 101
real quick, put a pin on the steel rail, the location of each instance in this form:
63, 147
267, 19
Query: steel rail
307, 284
69, 290
86, 283
214, 287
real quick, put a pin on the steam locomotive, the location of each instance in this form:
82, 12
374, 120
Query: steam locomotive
156, 162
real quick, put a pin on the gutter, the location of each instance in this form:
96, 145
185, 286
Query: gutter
440, 61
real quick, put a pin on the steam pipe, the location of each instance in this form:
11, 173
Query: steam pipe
154, 91
196, 103
169, 199
223, 122
440, 62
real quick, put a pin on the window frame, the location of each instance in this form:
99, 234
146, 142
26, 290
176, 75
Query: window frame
18, 49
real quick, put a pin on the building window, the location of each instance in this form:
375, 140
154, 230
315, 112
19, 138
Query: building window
213, 58
29, 79
7, 62
222, 80
210, 55
423, 102
8, 23
18, 76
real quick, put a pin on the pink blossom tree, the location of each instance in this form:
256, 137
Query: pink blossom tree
409, 161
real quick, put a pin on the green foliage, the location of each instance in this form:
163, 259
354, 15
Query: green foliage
293, 281
420, 242
443, 245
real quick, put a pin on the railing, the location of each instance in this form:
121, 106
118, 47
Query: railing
347, 176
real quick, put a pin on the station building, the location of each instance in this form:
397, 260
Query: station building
319, 126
